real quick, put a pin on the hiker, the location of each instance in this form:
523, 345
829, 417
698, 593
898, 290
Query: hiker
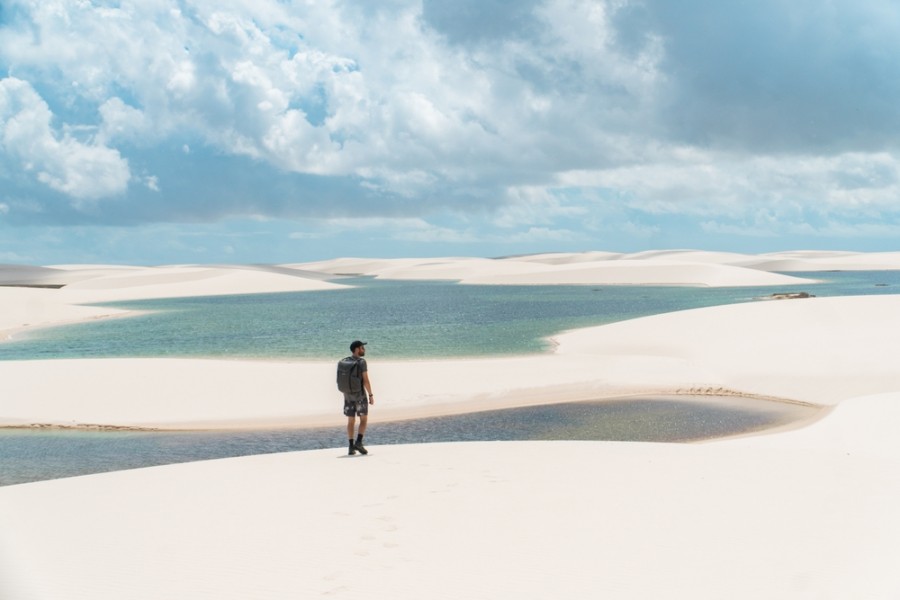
353, 381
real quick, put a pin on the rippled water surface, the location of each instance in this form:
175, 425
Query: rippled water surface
399, 319
33, 455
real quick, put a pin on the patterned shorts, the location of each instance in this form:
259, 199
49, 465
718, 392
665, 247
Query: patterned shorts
355, 405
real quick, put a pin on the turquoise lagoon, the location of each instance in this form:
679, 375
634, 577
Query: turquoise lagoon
400, 320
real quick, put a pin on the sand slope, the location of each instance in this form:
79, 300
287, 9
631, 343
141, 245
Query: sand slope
656, 267
785, 349
31, 307
475, 520
567, 269
819, 350
803, 514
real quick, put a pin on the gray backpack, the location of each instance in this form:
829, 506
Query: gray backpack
349, 380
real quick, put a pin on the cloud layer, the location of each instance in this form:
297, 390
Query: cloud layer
554, 119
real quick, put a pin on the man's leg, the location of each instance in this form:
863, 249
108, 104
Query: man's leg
359, 437
351, 422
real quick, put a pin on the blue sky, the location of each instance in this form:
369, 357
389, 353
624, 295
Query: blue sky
210, 131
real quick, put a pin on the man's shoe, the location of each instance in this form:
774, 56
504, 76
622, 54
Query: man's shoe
361, 448
352, 450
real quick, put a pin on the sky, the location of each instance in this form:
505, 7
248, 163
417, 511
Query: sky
282, 131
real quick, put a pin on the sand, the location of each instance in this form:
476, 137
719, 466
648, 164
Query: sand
77, 287
804, 513
566, 269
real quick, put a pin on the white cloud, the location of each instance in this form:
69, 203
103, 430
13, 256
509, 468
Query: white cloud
121, 122
374, 223
420, 230
400, 228
570, 116
338, 89
529, 205
543, 234
435, 234
691, 182
584, 32
638, 230
84, 171
827, 230
405, 229
152, 182
307, 235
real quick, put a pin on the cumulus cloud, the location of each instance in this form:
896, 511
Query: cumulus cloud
402, 228
545, 234
699, 183
83, 170
331, 88
396, 229
825, 230
529, 205
123, 123
527, 118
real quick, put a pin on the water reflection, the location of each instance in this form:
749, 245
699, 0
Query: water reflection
33, 455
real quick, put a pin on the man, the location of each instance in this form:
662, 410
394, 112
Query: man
358, 404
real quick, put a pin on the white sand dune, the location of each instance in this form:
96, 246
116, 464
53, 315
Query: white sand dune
561, 258
747, 519
369, 266
23, 275
780, 349
56, 275
452, 269
805, 513
24, 307
672, 260
824, 261
819, 350
769, 349
646, 272
660, 268
704, 256
170, 282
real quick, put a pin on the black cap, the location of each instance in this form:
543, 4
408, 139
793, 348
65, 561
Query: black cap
356, 345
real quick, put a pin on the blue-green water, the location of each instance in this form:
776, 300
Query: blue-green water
399, 319
33, 455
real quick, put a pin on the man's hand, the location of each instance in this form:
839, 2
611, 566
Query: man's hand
371, 399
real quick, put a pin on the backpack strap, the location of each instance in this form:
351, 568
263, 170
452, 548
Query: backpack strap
354, 371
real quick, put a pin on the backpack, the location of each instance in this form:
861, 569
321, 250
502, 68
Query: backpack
348, 378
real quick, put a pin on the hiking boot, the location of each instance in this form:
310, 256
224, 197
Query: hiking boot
352, 450
361, 448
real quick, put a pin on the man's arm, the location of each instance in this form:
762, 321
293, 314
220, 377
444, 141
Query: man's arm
368, 386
